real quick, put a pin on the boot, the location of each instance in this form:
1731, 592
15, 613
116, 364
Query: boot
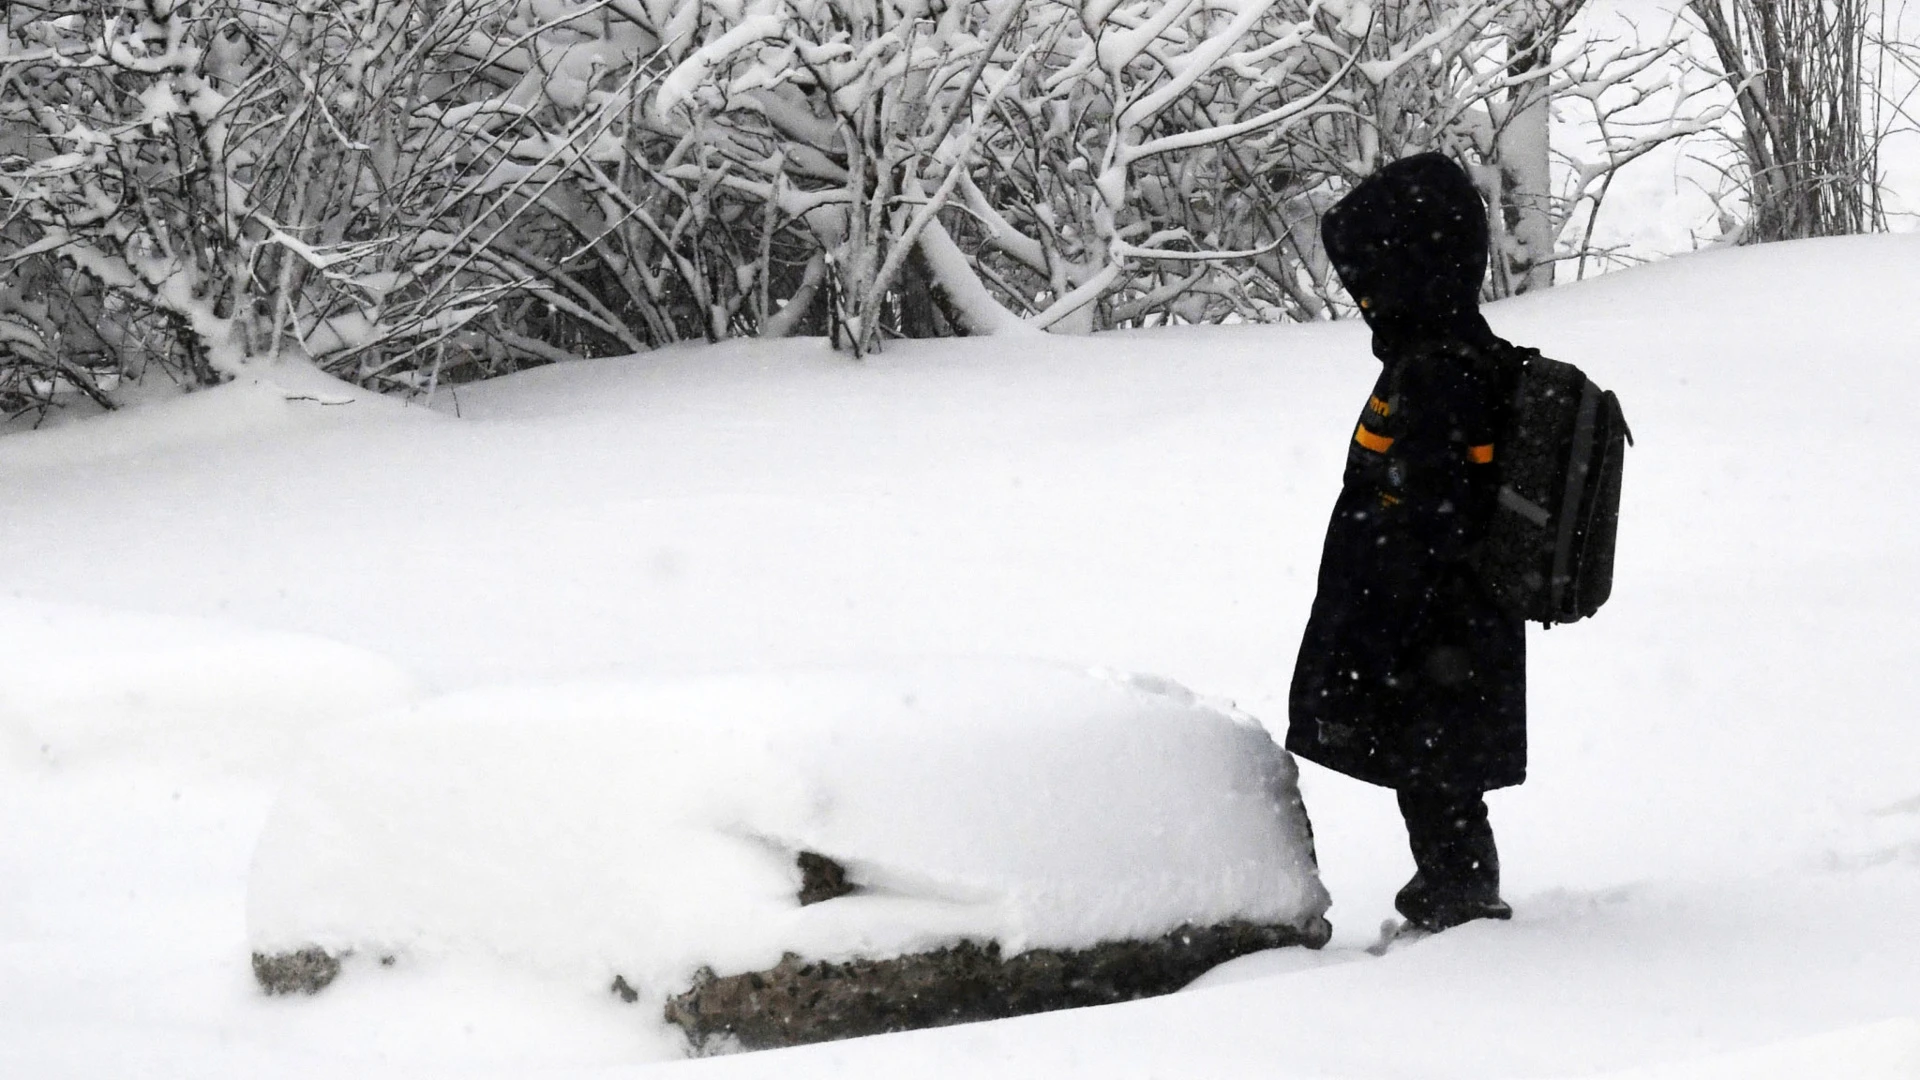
1436, 910
1456, 875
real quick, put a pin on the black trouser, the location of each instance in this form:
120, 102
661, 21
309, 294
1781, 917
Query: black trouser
1454, 858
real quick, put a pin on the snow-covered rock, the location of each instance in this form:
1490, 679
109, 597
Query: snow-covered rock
652, 829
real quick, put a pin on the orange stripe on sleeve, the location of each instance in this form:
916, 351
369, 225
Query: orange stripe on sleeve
1480, 455
1379, 444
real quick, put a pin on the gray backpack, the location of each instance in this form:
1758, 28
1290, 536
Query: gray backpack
1548, 552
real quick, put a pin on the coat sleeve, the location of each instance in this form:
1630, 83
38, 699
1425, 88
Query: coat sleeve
1446, 450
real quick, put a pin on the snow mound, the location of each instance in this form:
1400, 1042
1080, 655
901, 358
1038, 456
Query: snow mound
652, 828
164, 420
80, 685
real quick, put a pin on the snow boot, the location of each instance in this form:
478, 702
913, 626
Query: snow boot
1456, 876
1431, 910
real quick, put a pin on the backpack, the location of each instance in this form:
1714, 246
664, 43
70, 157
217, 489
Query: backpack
1548, 552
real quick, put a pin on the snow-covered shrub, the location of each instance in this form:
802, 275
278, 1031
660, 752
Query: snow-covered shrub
406, 192
1082, 164
855, 121
390, 188
1090, 159
98, 173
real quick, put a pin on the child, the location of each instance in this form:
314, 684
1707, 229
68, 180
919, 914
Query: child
1410, 676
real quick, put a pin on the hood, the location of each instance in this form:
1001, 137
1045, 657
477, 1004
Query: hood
1410, 245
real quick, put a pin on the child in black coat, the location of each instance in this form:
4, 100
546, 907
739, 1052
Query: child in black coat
1410, 676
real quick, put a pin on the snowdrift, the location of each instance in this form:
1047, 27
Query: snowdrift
651, 829
82, 685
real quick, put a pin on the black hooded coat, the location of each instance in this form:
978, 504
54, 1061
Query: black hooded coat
1410, 675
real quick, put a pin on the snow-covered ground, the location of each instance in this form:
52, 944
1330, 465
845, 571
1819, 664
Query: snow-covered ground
1715, 865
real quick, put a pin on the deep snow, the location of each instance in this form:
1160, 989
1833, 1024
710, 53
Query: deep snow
1718, 850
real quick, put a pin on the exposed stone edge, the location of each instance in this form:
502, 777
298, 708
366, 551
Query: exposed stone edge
800, 1001
303, 971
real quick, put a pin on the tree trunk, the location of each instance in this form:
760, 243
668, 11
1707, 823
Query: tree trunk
1521, 149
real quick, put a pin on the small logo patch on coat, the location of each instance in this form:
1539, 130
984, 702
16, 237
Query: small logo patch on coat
1336, 733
